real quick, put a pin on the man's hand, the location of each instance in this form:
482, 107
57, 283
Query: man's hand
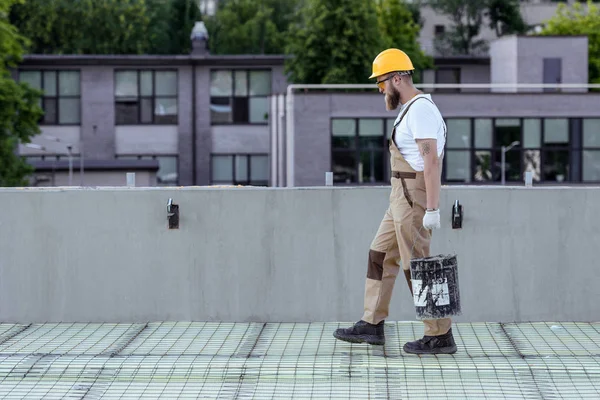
431, 219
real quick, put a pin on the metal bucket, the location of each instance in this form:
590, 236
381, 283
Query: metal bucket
435, 287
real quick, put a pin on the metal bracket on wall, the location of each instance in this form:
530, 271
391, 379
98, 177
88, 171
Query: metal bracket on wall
457, 215
173, 214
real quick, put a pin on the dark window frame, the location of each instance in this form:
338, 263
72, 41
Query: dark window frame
231, 98
57, 97
574, 146
152, 98
235, 181
357, 149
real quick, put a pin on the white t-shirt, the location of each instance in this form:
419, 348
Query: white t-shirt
422, 121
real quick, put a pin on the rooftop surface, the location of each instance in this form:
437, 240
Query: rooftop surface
295, 360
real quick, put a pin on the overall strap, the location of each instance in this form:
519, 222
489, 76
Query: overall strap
405, 111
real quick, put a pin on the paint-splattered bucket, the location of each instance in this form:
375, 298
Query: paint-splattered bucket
435, 286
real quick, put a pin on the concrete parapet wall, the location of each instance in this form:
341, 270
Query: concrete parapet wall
277, 254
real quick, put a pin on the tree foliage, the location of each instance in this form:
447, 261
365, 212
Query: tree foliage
334, 41
250, 26
468, 16
399, 29
505, 17
19, 104
106, 26
579, 20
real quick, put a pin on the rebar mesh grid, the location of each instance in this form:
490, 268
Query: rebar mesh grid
295, 360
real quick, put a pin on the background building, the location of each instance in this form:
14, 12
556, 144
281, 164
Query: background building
215, 120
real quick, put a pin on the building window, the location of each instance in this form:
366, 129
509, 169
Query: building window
240, 169
146, 97
359, 149
439, 30
62, 94
168, 167
240, 96
591, 150
554, 150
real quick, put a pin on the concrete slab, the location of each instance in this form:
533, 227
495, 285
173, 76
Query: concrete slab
295, 360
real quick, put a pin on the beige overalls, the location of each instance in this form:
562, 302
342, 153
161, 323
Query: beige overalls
398, 232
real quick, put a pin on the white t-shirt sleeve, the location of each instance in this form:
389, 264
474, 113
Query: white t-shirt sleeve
423, 122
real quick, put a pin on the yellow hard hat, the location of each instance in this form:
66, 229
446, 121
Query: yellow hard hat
391, 60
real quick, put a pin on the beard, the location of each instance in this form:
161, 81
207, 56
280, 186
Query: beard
392, 100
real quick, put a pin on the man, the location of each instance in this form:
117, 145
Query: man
416, 151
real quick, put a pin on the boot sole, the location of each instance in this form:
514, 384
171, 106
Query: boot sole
439, 350
369, 339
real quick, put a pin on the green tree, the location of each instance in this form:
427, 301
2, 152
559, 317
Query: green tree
334, 41
250, 26
468, 17
19, 104
400, 30
579, 20
505, 17
83, 26
170, 25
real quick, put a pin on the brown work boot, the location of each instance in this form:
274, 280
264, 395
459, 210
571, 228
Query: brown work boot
362, 332
442, 344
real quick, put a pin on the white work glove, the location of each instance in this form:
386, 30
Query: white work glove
431, 219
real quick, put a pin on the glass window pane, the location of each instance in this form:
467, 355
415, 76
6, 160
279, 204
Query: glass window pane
165, 106
222, 168
32, 78
259, 168
220, 110
508, 131
68, 83
50, 116
459, 133
483, 166
166, 83
483, 133
241, 83
556, 165
591, 132
370, 167
370, 127
126, 112
220, 83
513, 165
241, 168
260, 83
370, 132
532, 133
556, 130
68, 111
343, 127
146, 111
343, 133
344, 166
259, 110
50, 83
146, 83
458, 167
532, 159
167, 171
508, 122
241, 110
126, 84
591, 165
